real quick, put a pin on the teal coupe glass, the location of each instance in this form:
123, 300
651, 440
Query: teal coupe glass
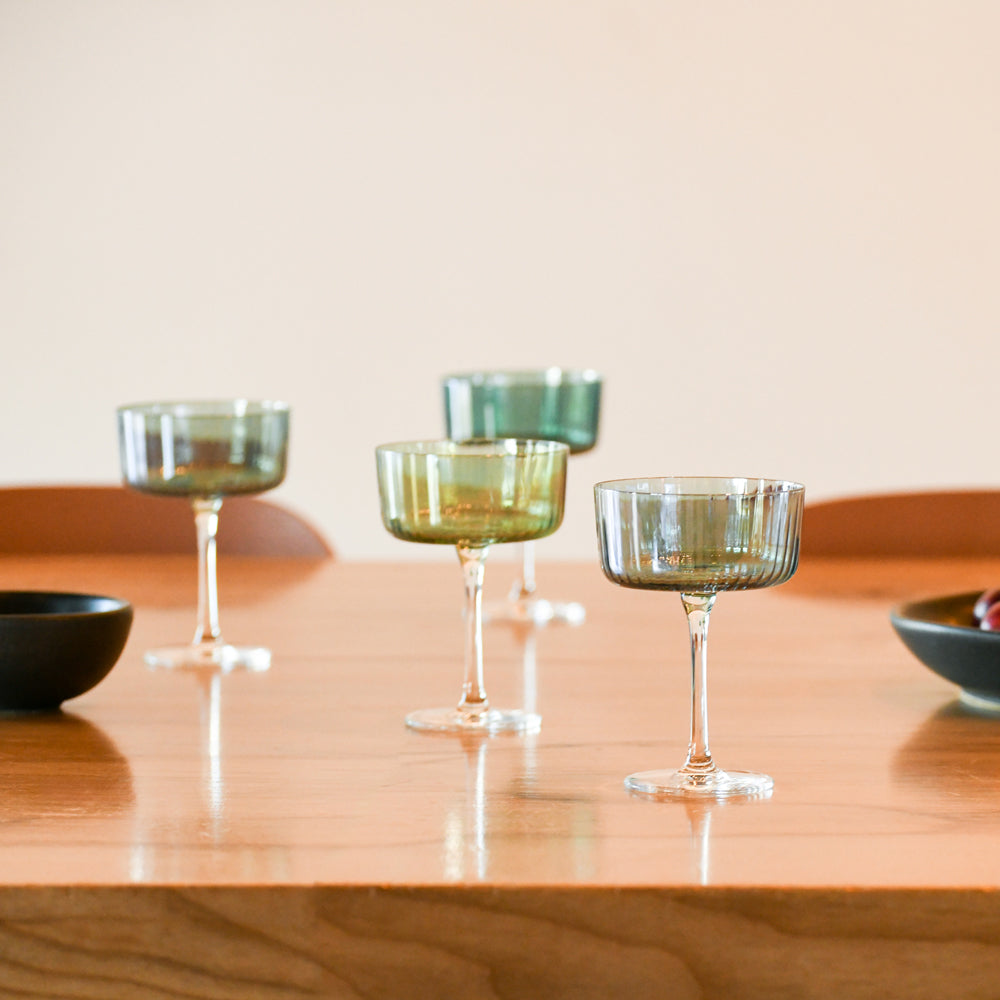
472, 495
698, 537
554, 404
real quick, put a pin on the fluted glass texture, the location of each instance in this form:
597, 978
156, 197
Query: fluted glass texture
473, 493
699, 535
556, 404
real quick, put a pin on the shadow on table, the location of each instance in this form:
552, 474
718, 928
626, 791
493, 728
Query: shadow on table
955, 750
58, 764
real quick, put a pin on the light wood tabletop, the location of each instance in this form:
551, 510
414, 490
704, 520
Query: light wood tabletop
284, 835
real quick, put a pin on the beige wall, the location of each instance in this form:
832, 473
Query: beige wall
774, 226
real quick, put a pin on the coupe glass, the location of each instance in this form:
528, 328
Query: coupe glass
698, 537
554, 404
205, 451
472, 494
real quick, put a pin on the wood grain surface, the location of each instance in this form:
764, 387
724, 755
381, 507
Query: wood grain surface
283, 835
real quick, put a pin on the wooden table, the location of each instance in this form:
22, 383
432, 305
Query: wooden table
283, 835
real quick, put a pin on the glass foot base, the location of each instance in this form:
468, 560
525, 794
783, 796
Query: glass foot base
215, 656
715, 784
495, 720
536, 611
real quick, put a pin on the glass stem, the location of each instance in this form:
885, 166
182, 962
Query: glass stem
525, 587
474, 701
699, 757
206, 522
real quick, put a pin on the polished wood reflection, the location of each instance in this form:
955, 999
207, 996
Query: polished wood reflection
284, 835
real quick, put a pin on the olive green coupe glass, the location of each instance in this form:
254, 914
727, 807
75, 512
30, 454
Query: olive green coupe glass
472, 495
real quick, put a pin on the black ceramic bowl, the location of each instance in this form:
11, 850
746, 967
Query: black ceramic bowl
55, 646
941, 633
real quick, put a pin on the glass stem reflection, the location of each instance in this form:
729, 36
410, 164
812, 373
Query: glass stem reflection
699, 758
474, 701
206, 520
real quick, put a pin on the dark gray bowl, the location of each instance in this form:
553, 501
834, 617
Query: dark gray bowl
55, 646
941, 633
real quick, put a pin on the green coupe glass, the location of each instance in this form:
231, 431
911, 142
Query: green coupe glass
205, 452
697, 537
472, 495
554, 404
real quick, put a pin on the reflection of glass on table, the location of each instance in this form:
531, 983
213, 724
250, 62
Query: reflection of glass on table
491, 829
204, 801
699, 811
465, 848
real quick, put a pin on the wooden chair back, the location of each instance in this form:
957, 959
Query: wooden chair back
929, 523
118, 520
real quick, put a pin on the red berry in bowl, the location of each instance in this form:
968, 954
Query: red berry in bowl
984, 602
991, 620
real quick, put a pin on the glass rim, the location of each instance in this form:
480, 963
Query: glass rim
448, 448
625, 486
553, 376
238, 406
